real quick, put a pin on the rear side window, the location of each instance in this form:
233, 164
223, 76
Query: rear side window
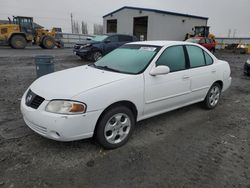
209, 59
125, 38
174, 58
196, 56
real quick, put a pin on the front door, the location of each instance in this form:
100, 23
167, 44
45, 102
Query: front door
111, 43
166, 92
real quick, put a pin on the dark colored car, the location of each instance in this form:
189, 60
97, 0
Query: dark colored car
247, 68
208, 43
96, 47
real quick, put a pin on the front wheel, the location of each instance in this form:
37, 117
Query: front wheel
213, 96
96, 56
48, 42
115, 127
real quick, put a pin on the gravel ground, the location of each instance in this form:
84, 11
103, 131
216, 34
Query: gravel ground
189, 147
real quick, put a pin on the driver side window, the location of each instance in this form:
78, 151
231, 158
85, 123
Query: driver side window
113, 38
174, 58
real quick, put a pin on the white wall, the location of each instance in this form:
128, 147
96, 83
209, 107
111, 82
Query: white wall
160, 26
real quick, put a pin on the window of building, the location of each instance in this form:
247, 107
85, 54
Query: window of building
112, 26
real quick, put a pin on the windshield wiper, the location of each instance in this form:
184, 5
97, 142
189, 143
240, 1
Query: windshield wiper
104, 68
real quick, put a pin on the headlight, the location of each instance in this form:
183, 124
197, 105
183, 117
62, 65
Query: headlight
248, 61
66, 107
85, 46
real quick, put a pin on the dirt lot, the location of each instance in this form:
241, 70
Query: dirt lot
189, 147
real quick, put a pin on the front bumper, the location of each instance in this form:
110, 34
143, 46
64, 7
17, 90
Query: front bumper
59, 127
81, 52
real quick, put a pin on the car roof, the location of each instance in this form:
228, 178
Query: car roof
112, 34
162, 43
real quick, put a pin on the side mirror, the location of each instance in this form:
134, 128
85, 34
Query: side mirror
107, 41
160, 70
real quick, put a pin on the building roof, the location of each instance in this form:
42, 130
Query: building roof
4, 21
156, 11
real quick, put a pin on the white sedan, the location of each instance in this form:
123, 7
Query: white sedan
134, 82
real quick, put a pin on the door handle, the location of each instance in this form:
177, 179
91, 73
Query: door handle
213, 71
185, 77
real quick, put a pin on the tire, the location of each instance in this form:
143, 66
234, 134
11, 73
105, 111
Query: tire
115, 127
18, 42
48, 42
213, 50
213, 96
96, 55
41, 45
84, 58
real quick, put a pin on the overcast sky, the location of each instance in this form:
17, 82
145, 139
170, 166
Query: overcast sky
223, 14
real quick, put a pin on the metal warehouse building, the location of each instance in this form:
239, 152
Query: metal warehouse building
151, 24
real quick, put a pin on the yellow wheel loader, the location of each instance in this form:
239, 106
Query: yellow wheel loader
21, 31
201, 31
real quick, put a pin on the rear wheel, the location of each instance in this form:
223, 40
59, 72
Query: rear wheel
48, 42
115, 127
18, 42
213, 96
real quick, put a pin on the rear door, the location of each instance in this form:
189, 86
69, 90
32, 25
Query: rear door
123, 39
202, 71
164, 92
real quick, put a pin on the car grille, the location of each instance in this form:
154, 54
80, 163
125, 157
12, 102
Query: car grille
32, 100
77, 47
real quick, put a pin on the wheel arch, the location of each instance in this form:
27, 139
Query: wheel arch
96, 49
220, 83
125, 103
14, 34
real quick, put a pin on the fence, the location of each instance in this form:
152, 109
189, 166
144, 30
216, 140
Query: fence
70, 39
222, 42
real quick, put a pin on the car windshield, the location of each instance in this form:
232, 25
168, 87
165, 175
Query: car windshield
99, 38
130, 59
193, 40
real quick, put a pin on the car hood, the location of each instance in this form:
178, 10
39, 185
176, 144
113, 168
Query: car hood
71, 82
83, 42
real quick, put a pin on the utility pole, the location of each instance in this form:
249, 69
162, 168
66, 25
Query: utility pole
229, 33
234, 34
71, 18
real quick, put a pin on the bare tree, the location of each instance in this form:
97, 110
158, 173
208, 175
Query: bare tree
84, 28
98, 29
76, 27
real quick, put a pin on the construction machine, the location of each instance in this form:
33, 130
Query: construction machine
21, 31
201, 31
